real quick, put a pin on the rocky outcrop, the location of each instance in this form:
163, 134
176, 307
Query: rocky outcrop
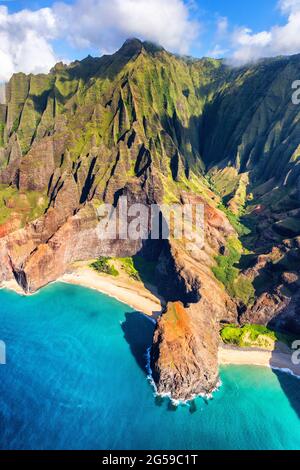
184, 352
185, 349
176, 279
278, 305
184, 355
43, 251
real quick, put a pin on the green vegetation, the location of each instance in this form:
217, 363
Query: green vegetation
225, 271
224, 182
250, 336
237, 285
29, 205
235, 221
137, 268
2, 127
231, 186
129, 267
254, 336
243, 290
228, 185
15, 125
35, 202
103, 265
5, 194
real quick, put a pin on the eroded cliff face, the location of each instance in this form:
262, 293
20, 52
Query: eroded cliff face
251, 148
86, 134
185, 351
276, 276
157, 128
186, 340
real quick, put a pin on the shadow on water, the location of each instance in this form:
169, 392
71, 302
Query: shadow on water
138, 332
290, 385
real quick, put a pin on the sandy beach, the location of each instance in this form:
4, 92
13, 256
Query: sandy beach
139, 298
12, 285
122, 288
278, 359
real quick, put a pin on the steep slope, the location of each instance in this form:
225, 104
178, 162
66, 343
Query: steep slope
157, 128
252, 124
251, 147
87, 133
127, 124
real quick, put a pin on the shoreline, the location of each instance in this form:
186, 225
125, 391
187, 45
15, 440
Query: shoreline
275, 360
138, 297
130, 292
13, 286
127, 291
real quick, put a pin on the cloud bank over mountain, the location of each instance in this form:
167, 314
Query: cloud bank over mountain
28, 39
279, 40
25, 41
104, 24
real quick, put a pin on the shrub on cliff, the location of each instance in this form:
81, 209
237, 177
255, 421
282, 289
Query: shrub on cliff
103, 265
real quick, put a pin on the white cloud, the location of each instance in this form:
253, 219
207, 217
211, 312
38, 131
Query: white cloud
24, 41
288, 6
104, 24
222, 26
26, 37
220, 47
279, 40
218, 52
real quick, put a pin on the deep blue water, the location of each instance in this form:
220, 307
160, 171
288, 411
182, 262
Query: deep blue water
75, 379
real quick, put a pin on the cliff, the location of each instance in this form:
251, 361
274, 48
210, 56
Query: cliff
158, 128
184, 363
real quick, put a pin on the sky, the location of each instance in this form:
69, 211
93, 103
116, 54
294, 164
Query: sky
35, 34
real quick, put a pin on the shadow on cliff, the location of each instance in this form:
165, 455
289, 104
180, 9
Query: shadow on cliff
145, 262
138, 332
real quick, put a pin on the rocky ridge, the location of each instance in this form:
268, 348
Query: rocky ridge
158, 128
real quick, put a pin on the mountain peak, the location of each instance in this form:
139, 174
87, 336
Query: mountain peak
133, 42
135, 45
131, 46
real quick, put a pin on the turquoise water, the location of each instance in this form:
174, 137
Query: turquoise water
75, 379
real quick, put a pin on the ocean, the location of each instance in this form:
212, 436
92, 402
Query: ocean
75, 378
